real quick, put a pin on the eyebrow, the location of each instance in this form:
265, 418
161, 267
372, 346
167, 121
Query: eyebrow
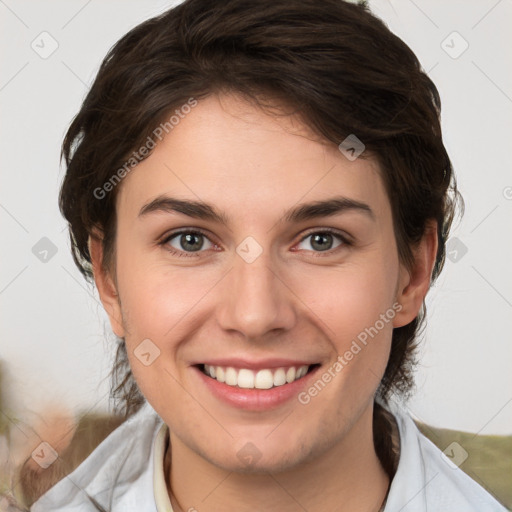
302, 212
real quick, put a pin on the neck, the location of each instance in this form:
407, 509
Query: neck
347, 477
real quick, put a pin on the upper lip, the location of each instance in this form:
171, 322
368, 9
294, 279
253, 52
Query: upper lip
257, 365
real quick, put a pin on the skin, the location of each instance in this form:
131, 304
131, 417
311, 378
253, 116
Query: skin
294, 301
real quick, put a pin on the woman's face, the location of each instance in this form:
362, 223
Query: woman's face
245, 276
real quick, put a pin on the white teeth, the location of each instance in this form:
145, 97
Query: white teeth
231, 376
245, 379
263, 379
279, 377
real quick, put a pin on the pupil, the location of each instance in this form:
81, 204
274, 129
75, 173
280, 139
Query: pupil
189, 239
318, 239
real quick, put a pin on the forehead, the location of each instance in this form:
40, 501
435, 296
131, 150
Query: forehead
232, 154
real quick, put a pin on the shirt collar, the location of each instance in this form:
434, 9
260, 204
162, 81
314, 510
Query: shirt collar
162, 501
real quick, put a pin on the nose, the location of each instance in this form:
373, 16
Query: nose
256, 300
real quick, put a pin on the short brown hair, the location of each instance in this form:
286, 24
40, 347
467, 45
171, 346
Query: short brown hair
339, 67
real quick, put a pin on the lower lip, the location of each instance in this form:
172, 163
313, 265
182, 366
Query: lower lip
255, 399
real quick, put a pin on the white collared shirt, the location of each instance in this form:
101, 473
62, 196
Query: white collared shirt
125, 473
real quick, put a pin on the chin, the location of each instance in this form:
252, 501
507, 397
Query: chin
260, 457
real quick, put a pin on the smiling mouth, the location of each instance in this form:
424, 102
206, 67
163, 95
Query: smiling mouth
266, 378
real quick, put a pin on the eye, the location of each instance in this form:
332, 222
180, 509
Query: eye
323, 241
184, 242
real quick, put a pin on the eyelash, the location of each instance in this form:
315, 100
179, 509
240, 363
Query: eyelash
343, 238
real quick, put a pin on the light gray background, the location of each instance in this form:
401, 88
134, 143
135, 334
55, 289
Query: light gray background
53, 332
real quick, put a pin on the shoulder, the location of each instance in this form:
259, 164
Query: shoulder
122, 461
428, 480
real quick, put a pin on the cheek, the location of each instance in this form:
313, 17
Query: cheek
165, 306
154, 296
354, 306
349, 299
357, 310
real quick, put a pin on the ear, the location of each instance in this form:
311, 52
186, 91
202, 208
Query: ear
105, 285
415, 282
